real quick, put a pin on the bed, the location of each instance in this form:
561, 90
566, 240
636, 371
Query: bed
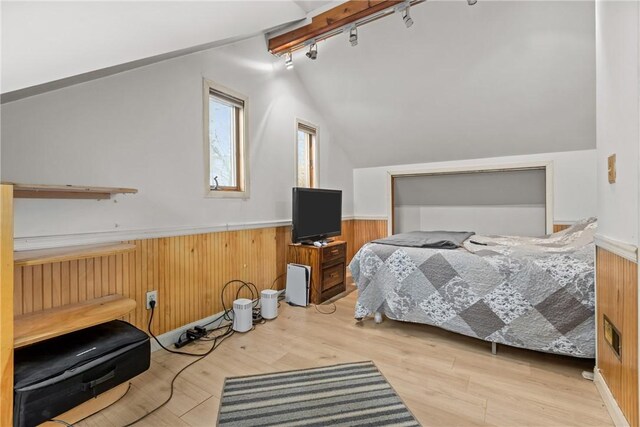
528, 292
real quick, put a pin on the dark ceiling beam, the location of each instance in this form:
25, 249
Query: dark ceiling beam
332, 19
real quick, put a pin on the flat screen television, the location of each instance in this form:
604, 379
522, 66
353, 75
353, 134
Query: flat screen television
317, 214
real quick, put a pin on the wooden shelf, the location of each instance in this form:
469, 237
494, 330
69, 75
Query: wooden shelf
45, 256
43, 191
42, 325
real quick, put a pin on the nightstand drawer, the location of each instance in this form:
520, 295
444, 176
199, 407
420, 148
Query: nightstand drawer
332, 253
332, 276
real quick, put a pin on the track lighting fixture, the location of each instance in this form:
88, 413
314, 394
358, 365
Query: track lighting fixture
472, 2
353, 36
406, 17
288, 62
313, 51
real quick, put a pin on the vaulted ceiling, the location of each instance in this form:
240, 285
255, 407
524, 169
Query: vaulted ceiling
498, 78
43, 41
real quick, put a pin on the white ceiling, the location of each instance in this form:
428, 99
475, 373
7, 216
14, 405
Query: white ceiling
43, 41
311, 5
498, 78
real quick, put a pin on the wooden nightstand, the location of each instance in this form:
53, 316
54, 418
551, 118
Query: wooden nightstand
328, 268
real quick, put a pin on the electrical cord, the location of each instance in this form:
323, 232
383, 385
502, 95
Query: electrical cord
227, 312
55, 420
217, 340
184, 353
216, 343
275, 280
253, 289
335, 307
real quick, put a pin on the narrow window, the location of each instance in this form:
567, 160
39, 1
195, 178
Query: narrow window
225, 141
306, 170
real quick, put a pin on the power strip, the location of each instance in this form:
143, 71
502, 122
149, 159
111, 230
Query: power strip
193, 334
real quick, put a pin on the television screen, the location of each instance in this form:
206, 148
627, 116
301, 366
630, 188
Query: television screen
317, 214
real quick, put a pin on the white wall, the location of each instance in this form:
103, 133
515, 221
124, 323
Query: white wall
618, 117
47, 41
143, 129
574, 182
496, 79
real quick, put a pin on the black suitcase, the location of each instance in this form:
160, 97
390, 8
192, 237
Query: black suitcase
56, 375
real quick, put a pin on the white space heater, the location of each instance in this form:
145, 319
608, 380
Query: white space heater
269, 303
242, 315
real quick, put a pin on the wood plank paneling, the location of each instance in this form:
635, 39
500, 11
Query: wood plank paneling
6, 305
617, 298
560, 227
366, 230
187, 271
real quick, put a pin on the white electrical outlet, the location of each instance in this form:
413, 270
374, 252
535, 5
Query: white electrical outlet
152, 296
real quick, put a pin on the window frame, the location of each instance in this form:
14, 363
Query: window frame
242, 142
315, 158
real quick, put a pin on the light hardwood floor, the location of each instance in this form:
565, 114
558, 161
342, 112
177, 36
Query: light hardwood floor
444, 378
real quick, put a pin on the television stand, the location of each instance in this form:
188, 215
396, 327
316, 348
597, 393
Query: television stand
328, 268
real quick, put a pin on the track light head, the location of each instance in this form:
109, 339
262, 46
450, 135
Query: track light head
353, 36
472, 2
288, 62
313, 52
406, 17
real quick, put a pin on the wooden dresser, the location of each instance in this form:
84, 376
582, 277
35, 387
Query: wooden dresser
328, 268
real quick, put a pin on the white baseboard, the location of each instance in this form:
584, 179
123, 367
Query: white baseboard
609, 401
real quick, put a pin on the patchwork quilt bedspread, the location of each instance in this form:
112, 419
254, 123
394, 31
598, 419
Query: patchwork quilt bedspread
535, 293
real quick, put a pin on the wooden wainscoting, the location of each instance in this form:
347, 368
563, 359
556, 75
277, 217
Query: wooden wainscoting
617, 298
560, 227
365, 230
188, 272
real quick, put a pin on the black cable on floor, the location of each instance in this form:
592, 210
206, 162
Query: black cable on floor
55, 420
216, 343
335, 307
217, 340
184, 353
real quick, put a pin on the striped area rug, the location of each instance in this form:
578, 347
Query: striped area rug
353, 394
